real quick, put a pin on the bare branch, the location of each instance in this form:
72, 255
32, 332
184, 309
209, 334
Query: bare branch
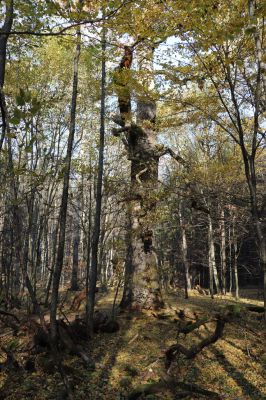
66, 28
177, 157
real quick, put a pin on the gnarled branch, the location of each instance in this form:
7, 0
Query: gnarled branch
190, 353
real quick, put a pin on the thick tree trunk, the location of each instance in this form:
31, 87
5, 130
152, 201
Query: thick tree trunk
142, 288
259, 48
127, 292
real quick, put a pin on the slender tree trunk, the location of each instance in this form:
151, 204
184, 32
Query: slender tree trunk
7, 26
97, 219
3, 47
235, 261
36, 307
184, 251
6, 255
76, 241
258, 222
230, 262
223, 253
88, 258
54, 235
21, 256
212, 262
101, 251
75, 263
64, 200
38, 262
248, 156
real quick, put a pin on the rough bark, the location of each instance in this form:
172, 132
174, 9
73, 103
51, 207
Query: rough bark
259, 48
142, 288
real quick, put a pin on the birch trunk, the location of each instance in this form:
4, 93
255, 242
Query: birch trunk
184, 252
235, 261
223, 253
212, 263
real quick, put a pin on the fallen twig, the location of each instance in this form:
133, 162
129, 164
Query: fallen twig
133, 339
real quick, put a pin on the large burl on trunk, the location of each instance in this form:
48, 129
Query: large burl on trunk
142, 288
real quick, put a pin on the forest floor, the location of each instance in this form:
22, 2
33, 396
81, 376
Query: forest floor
234, 366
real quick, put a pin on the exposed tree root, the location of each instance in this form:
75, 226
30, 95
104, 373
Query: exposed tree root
6, 313
191, 353
191, 326
70, 335
11, 363
10, 320
172, 385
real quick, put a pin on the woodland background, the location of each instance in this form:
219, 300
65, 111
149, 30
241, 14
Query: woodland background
66, 172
